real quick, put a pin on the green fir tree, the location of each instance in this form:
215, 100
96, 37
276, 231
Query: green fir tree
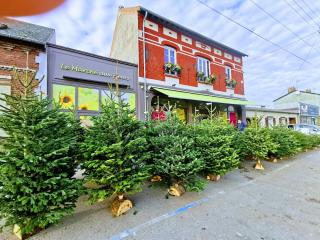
37, 161
114, 152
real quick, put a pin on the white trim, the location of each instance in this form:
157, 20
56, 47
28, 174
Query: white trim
149, 41
180, 48
169, 82
180, 45
170, 33
227, 55
203, 46
151, 25
186, 39
217, 51
5, 77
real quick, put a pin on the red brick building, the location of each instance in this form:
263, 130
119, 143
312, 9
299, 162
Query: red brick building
22, 47
179, 67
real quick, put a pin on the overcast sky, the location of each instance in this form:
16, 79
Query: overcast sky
88, 25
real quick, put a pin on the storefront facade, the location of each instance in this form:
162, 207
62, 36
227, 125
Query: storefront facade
81, 82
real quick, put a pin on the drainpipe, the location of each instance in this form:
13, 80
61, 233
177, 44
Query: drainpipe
144, 68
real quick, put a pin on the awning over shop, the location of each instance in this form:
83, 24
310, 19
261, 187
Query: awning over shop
201, 97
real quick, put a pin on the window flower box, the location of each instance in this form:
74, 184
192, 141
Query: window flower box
173, 69
231, 83
202, 78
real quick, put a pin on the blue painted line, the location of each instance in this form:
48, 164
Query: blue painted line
131, 232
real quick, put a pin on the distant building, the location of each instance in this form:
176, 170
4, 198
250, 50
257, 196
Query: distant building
306, 103
272, 117
178, 66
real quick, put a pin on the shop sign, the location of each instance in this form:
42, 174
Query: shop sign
76, 68
309, 110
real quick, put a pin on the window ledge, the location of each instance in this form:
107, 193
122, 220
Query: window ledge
171, 75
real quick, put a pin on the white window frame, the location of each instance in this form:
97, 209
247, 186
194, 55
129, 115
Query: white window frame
228, 72
203, 65
167, 48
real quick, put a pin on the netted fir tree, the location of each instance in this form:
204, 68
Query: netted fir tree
37, 160
114, 151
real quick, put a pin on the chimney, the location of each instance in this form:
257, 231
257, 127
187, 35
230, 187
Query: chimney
291, 89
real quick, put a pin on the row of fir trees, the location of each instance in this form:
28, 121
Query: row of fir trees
118, 153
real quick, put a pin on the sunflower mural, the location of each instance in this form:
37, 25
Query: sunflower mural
88, 99
64, 95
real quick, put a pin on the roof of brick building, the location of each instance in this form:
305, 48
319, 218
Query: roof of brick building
27, 32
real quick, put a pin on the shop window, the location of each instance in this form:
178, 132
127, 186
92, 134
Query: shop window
283, 121
88, 99
270, 121
203, 66
64, 95
130, 98
169, 55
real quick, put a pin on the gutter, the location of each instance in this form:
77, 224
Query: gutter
144, 68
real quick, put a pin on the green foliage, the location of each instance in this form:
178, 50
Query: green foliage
254, 143
304, 141
172, 153
114, 152
284, 138
37, 163
214, 141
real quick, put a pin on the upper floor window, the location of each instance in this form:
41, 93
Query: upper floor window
228, 72
203, 66
169, 55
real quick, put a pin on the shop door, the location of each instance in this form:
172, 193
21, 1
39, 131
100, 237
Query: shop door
233, 118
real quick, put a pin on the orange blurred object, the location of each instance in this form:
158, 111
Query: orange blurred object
27, 7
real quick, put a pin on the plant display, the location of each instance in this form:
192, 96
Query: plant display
287, 144
254, 143
304, 141
173, 156
231, 83
37, 162
214, 141
206, 79
114, 152
172, 68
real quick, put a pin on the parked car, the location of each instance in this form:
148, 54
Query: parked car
306, 128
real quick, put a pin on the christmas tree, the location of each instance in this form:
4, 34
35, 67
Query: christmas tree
114, 152
214, 139
36, 161
173, 156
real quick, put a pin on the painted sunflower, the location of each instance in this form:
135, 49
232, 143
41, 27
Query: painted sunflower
66, 100
83, 107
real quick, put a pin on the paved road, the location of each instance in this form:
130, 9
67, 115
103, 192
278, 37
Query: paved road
282, 202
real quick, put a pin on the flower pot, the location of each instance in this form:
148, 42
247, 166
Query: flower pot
120, 205
176, 190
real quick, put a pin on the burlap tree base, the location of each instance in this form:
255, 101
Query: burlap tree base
176, 190
213, 177
120, 205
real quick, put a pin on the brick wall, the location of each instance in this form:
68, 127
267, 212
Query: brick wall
186, 58
14, 54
